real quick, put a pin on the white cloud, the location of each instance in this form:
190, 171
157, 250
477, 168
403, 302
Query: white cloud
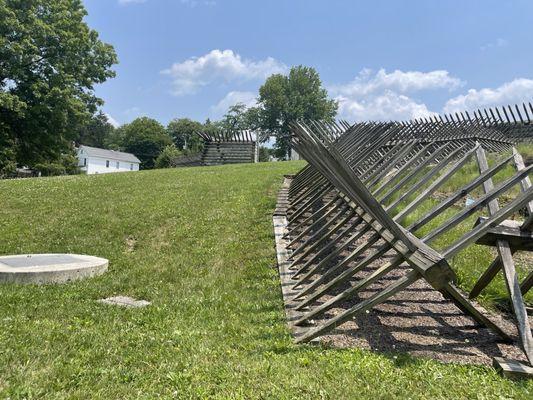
219, 66
498, 43
386, 106
249, 99
112, 120
366, 82
516, 91
386, 96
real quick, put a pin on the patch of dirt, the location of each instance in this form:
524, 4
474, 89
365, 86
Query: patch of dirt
130, 243
421, 322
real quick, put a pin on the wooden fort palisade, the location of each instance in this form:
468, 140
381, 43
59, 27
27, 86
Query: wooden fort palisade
366, 179
222, 147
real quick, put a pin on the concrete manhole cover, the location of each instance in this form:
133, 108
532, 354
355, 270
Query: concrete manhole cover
50, 268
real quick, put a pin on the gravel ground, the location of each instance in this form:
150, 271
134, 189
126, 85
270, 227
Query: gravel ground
419, 321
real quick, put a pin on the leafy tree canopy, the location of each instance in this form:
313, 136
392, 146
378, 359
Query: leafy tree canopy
211, 127
66, 164
144, 137
8, 162
298, 96
265, 153
183, 133
96, 132
50, 61
239, 117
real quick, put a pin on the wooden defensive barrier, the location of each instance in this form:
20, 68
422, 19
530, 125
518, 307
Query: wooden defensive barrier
374, 189
229, 148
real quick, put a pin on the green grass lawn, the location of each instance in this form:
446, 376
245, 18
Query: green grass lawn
198, 244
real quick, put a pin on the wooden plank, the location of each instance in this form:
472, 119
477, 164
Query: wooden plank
517, 238
512, 369
458, 194
366, 304
331, 254
509, 271
527, 284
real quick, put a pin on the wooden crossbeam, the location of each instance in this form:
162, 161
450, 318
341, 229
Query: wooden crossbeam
363, 180
503, 246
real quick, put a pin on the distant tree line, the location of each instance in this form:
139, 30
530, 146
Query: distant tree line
155, 145
50, 61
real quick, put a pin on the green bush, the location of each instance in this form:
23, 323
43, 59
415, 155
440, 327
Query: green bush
264, 154
66, 165
51, 169
168, 157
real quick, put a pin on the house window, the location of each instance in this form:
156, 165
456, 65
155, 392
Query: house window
107, 163
131, 167
118, 164
84, 162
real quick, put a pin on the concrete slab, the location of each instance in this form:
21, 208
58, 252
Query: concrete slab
125, 301
49, 268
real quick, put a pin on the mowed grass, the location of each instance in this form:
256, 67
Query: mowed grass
198, 244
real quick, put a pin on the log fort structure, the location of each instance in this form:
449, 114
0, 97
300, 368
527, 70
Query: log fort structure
224, 147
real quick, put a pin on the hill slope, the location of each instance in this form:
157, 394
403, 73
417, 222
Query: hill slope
198, 244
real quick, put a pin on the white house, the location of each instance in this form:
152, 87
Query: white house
93, 160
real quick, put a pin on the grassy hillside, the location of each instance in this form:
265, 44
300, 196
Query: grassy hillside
198, 244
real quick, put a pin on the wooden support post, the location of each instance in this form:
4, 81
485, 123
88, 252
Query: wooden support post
509, 271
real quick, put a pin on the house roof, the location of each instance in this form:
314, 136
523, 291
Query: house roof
109, 154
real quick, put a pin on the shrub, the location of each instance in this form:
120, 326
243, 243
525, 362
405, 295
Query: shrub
168, 157
51, 169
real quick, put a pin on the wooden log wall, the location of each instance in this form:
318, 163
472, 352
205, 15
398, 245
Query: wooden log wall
229, 148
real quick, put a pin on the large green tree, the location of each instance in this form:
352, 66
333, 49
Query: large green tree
212, 127
8, 162
286, 98
239, 117
144, 137
96, 132
183, 133
50, 61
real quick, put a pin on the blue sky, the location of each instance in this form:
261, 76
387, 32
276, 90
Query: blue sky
380, 59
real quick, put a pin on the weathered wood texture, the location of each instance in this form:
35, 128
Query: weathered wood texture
359, 199
229, 148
